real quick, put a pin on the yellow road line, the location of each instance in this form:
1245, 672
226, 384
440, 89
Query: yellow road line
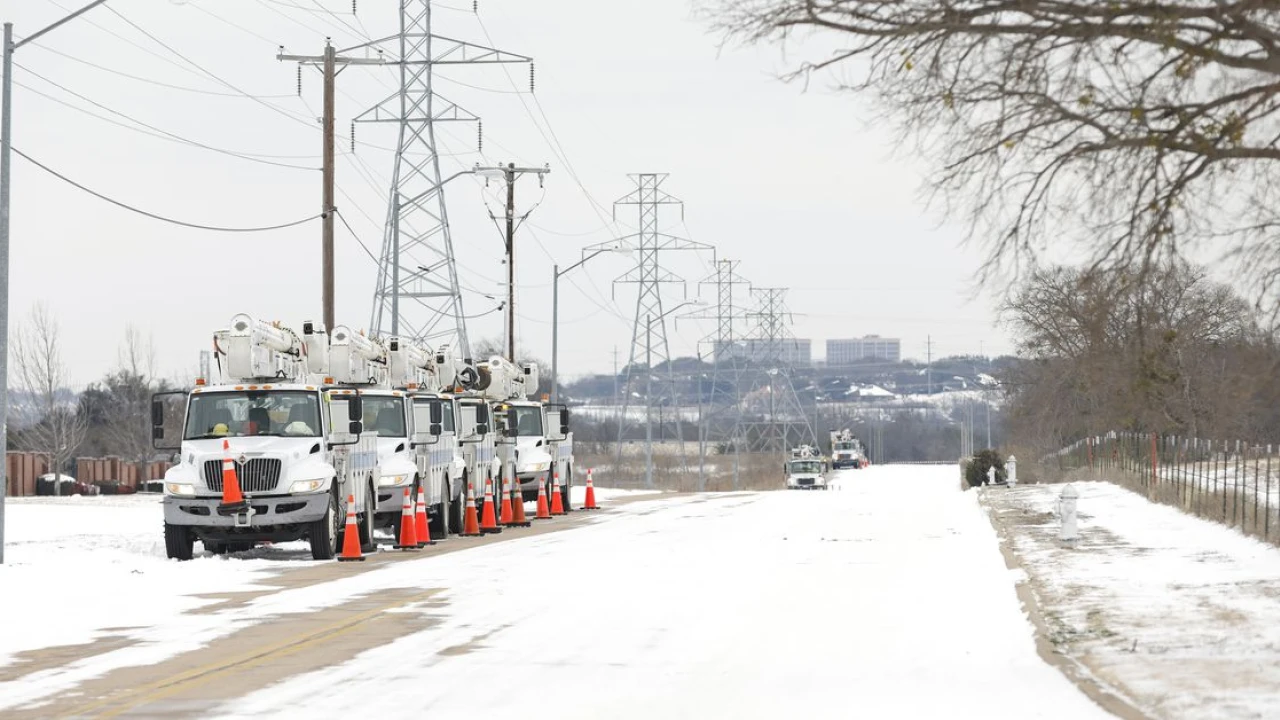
161, 689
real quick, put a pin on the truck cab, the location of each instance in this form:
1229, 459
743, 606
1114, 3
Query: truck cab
439, 459
540, 445
477, 442
805, 473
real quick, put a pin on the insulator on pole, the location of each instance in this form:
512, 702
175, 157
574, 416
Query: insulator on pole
475, 7
299, 79
353, 7
353, 136
531, 77
480, 136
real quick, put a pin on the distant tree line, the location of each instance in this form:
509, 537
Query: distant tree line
1171, 352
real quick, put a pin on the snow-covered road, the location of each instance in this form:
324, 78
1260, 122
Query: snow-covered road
887, 598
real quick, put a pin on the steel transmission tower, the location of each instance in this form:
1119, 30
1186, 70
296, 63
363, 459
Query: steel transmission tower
726, 359
417, 293
649, 343
772, 418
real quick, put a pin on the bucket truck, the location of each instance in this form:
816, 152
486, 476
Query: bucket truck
535, 438
298, 449
426, 377
805, 470
846, 450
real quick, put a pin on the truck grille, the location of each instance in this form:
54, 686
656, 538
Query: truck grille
804, 481
255, 475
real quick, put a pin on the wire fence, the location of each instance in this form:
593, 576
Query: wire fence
1231, 482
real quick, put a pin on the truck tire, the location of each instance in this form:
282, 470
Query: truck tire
178, 541
367, 542
564, 488
456, 508
439, 523
323, 534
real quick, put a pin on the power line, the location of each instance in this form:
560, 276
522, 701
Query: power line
155, 131
149, 81
198, 66
154, 216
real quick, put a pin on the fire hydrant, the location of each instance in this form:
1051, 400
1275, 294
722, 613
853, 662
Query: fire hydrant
991, 475
1011, 467
1067, 507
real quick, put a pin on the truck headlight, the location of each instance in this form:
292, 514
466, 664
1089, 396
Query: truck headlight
306, 486
183, 489
390, 480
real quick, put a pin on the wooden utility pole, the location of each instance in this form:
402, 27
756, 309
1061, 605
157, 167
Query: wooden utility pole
328, 63
509, 173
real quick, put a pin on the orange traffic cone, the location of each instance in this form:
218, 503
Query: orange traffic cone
517, 505
351, 537
590, 504
507, 516
470, 523
233, 501
557, 504
423, 531
543, 512
488, 516
408, 536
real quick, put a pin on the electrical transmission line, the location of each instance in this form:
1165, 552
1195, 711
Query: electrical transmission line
649, 343
772, 418
413, 299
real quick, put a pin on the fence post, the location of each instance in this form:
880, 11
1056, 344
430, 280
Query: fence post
1257, 466
1220, 481
1266, 517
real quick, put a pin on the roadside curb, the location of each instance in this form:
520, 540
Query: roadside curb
1074, 669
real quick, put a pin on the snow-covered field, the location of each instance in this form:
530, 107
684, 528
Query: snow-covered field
1179, 614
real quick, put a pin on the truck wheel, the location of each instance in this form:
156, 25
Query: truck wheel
323, 534
456, 509
178, 541
439, 525
564, 488
367, 542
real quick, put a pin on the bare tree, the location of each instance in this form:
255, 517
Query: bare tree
1176, 353
1131, 128
127, 415
58, 427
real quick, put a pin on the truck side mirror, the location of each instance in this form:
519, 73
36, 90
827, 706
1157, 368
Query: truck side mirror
436, 410
355, 410
157, 416
513, 420
355, 427
482, 419
564, 422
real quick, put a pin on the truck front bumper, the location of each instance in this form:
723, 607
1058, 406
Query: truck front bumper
269, 511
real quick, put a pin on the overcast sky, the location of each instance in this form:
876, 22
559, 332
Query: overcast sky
796, 185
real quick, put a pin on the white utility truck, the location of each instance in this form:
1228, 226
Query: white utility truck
298, 449
846, 450
535, 442
805, 470
427, 377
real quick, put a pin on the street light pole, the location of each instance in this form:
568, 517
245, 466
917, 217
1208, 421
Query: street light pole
6, 145
556, 272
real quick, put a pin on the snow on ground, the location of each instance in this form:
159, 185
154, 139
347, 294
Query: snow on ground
80, 569
1180, 614
888, 598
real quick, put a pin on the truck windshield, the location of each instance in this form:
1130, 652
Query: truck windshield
262, 412
844, 446
528, 422
384, 415
806, 467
